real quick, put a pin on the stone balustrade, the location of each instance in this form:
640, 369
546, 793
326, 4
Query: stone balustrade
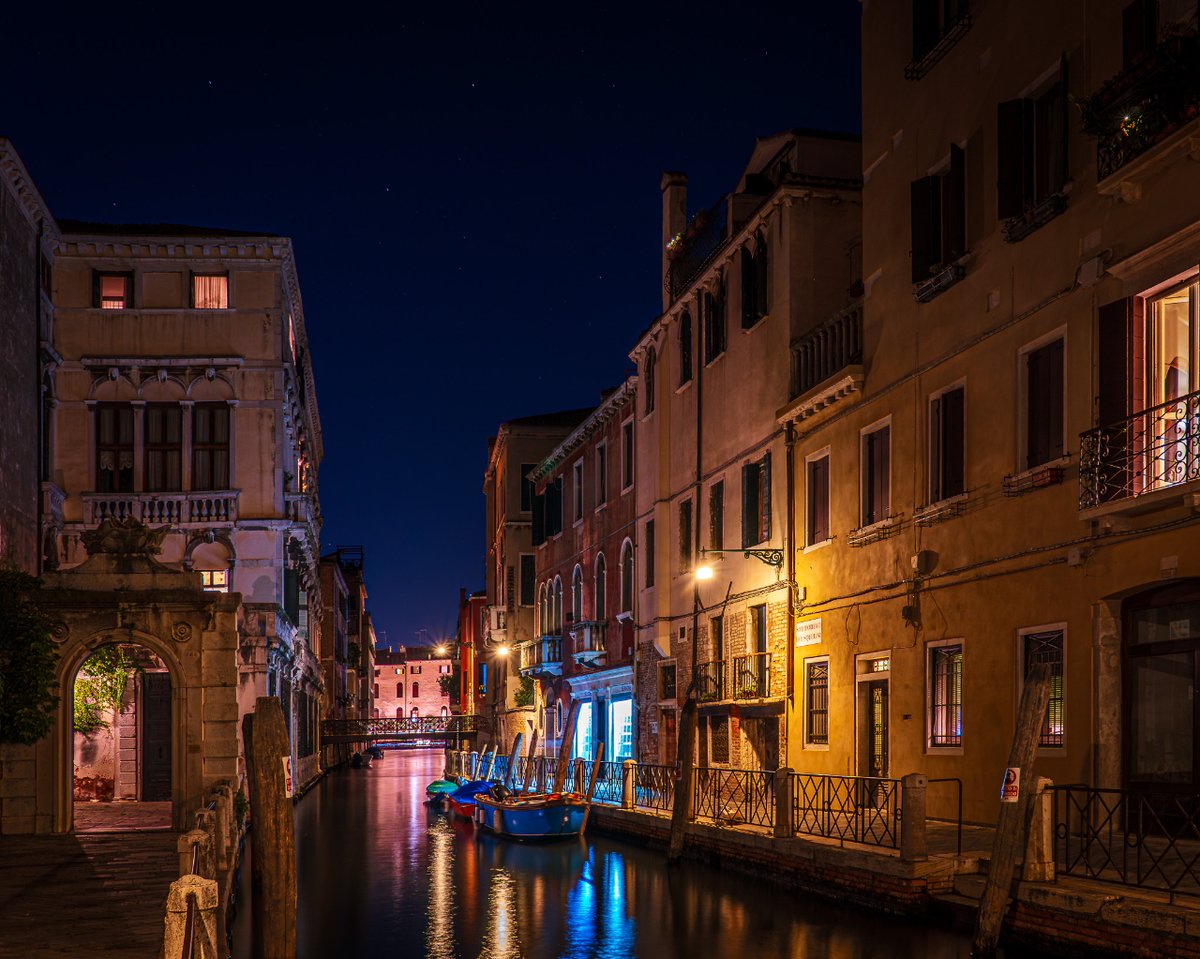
196, 508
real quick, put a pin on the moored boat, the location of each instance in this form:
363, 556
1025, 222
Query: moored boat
462, 800
440, 788
552, 816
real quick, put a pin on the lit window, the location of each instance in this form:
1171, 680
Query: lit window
1047, 647
816, 700
945, 695
215, 580
210, 291
114, 291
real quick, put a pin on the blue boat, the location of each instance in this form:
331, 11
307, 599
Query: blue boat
554, 816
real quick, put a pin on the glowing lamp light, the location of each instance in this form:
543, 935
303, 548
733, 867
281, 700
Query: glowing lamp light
704, 572
501, 650
441, 650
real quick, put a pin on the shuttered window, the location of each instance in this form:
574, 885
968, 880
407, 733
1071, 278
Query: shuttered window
527, 486
539, 519
685, 535
756, 501
1044, 404
713, 306
875, 481
938, 218
685, 347
755, 273
528, 573
946, 441
817, 506
1031, 141
716, 515
648, 553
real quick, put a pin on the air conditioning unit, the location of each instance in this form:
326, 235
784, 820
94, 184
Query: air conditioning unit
497, 618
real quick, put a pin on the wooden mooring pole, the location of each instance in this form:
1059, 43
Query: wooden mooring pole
273, 874
564, 747
1012, 823
530, 762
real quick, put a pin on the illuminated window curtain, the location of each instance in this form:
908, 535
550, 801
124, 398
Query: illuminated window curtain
210, 292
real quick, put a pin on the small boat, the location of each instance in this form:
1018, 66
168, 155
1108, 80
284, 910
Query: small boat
462, 800
552, 816
440, 788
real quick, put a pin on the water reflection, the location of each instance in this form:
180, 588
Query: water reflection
381, 875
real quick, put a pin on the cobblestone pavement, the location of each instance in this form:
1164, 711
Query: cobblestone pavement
99, 894
122, 816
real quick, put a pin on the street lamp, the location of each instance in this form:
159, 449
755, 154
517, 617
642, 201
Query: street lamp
772, 557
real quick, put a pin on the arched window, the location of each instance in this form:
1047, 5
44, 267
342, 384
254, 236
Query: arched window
713, 307
755, 277
399, 712
601, 591
416, 688
375, 713
445, 712
399, 690
540, 625
377, 690
415, 712
685, 347
558, 606
627, 577
648, 379
577, 595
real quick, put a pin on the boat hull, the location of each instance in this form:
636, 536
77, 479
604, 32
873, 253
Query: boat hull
557, 817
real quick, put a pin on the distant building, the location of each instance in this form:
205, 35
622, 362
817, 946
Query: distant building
472, 611
518, 446
584, 523
406, 683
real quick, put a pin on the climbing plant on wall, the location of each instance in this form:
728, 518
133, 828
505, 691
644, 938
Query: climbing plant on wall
28, 659
100, 687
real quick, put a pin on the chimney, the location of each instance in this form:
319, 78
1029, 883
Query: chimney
674, 218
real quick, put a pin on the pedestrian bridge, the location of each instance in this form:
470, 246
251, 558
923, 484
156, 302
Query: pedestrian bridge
405, 729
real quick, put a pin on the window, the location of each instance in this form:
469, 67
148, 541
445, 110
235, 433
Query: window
939, 218
758, 628
414, 713
648, 381
685, 347
1032, 134
627, 577
414, 669
163, 447
210, 446
932, 20
577, 491
718, 727
945, 695
1046, 646
816, 509
112, 291
1043, 369
648, 557
377, 690
547, 512
1145, 23
528, 574
210, 291
946, 442
627, 455
416, 689
601, 474
527, 487
666, 681
716, 515
399, 712
685, 535
816, 702
577, 595
756, 501
755, 273
399, 690
557, 611
601, 585
712, 305
876, 479
114, 448
215, 581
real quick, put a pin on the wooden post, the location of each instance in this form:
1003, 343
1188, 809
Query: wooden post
914, 844
591, 790
1011, 822
530, 762
564, 748
683, 784
274, 854
512, 760
783, 803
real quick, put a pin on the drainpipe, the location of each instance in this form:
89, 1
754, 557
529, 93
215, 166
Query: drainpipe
789, 547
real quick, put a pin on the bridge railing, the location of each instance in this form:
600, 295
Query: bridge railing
400, 727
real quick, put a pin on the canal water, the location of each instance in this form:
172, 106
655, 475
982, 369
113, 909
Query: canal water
382, 875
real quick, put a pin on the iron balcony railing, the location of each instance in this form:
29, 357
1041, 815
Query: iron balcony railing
710, 681
1146, 102
734, 795
828, 349
544, 653
752, 676
1129, 836
1152, 450
695, 248
847, 808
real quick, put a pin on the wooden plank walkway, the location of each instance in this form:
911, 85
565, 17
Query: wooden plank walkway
99, 894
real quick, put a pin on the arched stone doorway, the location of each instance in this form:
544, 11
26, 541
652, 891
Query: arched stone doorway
122, 757
1161, 711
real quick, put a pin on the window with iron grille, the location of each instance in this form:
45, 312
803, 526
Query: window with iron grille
1047, 647
816, 697
666, 681
945, 695
718, 727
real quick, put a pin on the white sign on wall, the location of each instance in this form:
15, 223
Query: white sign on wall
1010, 791
808, 632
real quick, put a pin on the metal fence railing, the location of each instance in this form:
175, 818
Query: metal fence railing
1133, 837
654, 786
861, 809
734, 795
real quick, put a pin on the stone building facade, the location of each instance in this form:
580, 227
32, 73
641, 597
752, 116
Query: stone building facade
742, 280
583, 538
407, 683
472, 613
1005, 470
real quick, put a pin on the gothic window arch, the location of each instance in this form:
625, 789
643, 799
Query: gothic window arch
685, 347
648, 379
627, 576
601, 588
577, 595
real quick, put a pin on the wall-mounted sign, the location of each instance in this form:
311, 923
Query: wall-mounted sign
1012, 785
808, 631
287, 777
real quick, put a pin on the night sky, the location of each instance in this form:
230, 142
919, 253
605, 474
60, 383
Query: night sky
474, 202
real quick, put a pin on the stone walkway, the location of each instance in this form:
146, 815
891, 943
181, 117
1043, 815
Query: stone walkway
99, 894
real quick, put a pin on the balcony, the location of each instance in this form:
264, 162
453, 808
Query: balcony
752, 676
691, 251
1143, 461
207, 509
591, 644
1154, 100
542, 658
303, 509
826, 364
710, 681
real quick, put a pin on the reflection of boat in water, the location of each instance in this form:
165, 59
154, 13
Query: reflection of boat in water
553, 816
